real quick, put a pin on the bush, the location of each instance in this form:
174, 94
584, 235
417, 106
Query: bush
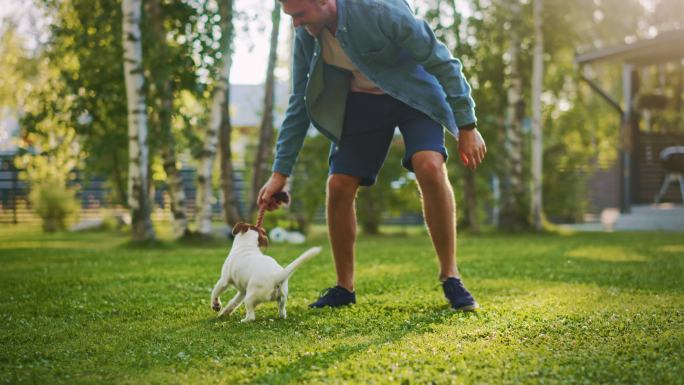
54, 203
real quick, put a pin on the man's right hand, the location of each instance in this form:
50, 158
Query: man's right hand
275, 184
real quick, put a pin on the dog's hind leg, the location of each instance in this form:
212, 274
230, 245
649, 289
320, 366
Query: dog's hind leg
219, 289
233, 304
282, 300
250, 305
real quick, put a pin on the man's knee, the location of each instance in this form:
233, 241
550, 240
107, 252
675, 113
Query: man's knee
429, 166
342, 187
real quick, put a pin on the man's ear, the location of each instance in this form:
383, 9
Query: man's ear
240, 228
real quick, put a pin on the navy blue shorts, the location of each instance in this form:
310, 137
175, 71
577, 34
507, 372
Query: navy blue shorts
369, 124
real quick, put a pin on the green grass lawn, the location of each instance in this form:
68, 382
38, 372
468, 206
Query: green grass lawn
561, 309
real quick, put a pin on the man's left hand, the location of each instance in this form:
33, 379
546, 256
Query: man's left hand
471, 147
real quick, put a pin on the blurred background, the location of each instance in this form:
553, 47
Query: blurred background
580, 103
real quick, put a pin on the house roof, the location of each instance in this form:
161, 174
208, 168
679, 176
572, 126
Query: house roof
665, 47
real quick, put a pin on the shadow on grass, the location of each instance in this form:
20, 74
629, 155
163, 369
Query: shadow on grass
327, 323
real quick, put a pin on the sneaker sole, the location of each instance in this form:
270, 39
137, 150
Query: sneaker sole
467, 308
332, 306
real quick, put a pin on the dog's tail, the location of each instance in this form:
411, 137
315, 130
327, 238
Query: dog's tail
290, 269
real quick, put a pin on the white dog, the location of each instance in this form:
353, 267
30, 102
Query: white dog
257, 277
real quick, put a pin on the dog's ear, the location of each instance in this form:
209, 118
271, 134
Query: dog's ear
263, 239
240, 228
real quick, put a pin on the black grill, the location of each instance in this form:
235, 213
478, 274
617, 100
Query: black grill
672, 159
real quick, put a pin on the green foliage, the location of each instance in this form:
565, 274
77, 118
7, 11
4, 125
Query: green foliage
309, 181
182, 45
580, 129
54, 203
49, 150
18, 66
555, 310
394, 192
85, 50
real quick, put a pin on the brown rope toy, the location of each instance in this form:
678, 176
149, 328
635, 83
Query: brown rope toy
279, 197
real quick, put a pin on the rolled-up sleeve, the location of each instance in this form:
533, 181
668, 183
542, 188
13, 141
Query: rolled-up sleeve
296, 123
419, 40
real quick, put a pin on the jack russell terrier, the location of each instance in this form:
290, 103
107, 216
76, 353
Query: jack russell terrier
257, 277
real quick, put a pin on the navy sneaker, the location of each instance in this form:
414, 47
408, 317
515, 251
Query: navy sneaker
334, 297
458, 296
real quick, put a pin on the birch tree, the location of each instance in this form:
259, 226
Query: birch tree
163, 114
231, 214
469, 185
206, 164
138, 198
537, 139
513, 213
207, 157
265, 147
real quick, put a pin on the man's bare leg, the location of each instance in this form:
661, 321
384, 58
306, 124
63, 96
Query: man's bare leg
341, 218
439, 208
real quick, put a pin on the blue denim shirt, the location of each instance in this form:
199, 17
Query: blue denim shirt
396, 51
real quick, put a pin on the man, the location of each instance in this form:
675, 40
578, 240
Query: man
362, 68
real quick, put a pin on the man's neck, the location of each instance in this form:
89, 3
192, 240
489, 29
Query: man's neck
331, 24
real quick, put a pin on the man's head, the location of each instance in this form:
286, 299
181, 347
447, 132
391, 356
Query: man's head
314, 15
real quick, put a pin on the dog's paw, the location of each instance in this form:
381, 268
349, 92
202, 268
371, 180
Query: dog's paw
216, 306
247, 319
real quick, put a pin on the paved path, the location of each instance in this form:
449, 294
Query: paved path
661, 217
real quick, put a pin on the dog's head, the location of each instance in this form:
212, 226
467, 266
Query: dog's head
242, 228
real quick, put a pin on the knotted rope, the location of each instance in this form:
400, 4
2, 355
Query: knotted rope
278, 197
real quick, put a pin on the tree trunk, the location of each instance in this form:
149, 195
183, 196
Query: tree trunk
469, 189
371, 214
206, 167
120, 182
138, 200
265, 148
537, 138
231, 214
164, 114
208, 155
176, 192
513, 213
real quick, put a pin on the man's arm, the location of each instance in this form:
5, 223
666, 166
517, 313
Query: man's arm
294, 127
293, 130
417, 38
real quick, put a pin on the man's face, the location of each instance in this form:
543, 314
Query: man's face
307, 13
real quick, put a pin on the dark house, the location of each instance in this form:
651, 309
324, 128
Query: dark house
638, 174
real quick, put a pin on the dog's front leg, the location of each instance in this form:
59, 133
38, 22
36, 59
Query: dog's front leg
233, 304
219, 289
